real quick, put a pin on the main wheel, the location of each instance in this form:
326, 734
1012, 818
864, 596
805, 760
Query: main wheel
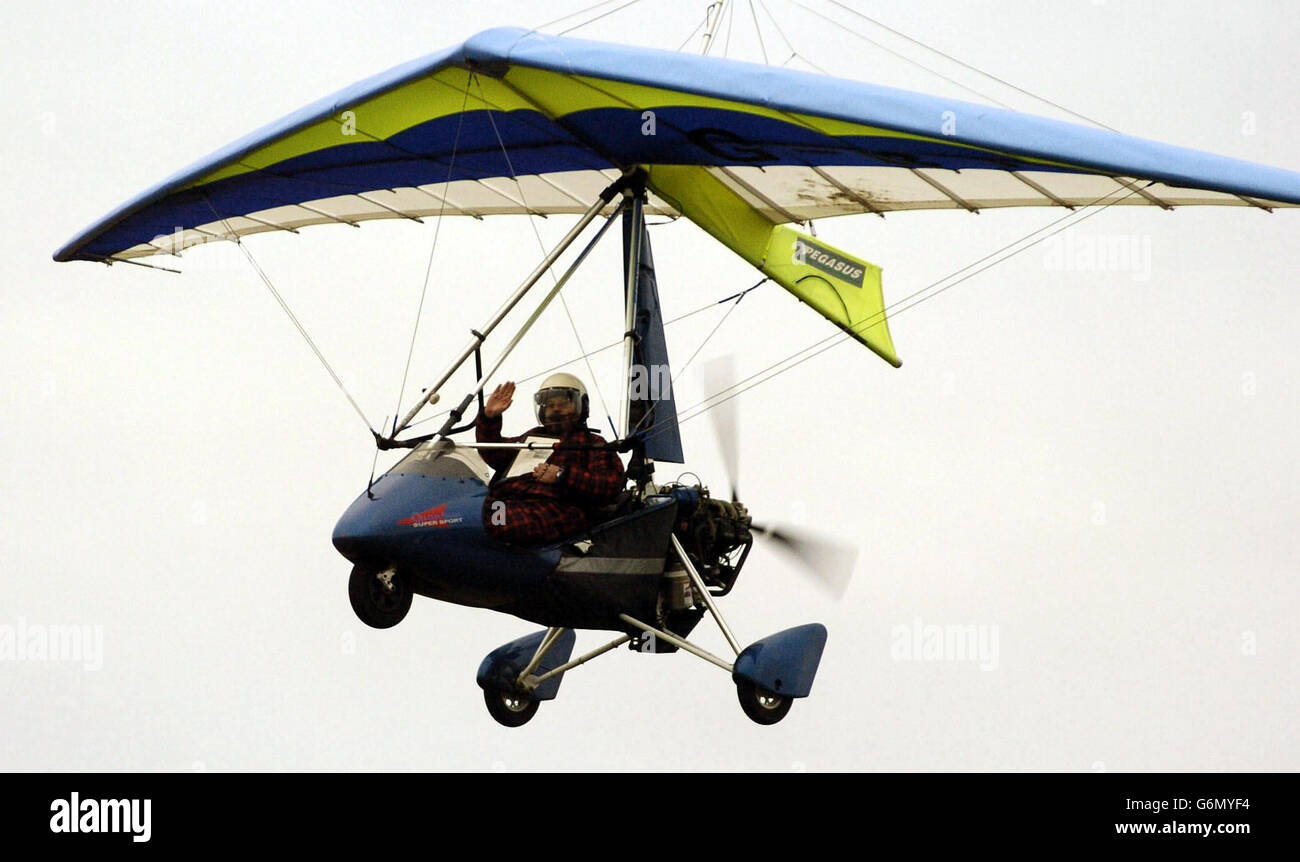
380, 597
512, 710
760, 704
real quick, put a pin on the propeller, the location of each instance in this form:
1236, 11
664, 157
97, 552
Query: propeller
720, 374
829, 563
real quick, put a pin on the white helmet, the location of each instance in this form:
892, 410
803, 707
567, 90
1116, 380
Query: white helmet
563, 385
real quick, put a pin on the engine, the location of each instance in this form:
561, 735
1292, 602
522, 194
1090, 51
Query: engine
715, 534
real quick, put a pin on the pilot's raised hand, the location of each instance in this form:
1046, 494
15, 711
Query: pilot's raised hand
499, 400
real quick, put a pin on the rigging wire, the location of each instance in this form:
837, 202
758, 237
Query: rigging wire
871, 41
762, 49
575, 14
788, 44
329, 184
693, 32
613, 344
533, 224
428, 269
738, 297
1073, 218
731, 17
591, 372
678, 376
598, 17
293, 318
839, 338
965, 65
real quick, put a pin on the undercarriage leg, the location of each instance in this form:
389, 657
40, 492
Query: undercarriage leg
700, 588
677, 642
583, 659
552, 634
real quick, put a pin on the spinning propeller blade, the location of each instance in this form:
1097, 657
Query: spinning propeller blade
830, 564
718, 375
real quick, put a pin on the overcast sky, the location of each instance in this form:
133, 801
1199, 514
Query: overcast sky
1097, 467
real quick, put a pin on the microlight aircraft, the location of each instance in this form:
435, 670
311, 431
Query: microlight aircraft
516, 122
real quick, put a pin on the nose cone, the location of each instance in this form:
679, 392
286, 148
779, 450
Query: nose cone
369, 530
355, 534
408, 516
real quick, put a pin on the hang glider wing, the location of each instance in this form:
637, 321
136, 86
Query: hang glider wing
513, 121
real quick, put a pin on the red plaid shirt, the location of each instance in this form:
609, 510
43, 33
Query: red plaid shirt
537, 512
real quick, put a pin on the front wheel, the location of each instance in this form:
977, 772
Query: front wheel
760, 704
509, 709
380, 597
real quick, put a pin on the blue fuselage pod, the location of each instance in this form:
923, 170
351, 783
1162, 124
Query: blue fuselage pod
425, 516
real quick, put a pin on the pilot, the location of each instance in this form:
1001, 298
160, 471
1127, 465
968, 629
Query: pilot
556, 499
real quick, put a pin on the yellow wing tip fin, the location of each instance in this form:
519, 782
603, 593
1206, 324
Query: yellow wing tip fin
840, 287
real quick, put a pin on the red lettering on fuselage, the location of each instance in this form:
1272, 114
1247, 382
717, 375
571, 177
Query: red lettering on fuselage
435, 517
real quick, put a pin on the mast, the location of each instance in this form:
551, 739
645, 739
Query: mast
633, 224
712, 18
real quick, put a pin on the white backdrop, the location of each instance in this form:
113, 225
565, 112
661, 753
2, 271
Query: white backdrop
1095, 465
